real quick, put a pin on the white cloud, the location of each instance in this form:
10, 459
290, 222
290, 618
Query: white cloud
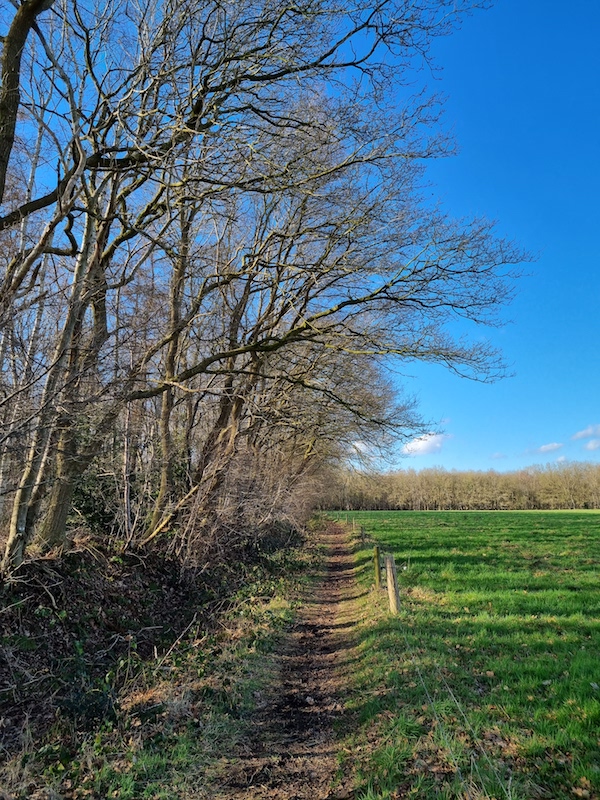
498, 455
587, 433
425, 445
549, 448
593, 444
560, 459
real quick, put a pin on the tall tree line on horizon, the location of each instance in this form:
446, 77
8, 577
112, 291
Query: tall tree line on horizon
211, 240
569, 485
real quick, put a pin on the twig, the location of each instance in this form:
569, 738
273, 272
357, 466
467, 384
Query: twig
176, 642
49, 593
18, 603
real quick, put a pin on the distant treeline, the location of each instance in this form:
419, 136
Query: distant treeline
569, 485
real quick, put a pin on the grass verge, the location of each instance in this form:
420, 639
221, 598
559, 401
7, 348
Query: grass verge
487, 684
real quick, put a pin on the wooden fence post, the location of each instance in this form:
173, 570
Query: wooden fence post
377, 565
392, 583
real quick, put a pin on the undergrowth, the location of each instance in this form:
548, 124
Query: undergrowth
126, 677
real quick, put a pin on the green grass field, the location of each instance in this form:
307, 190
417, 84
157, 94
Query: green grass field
487, 684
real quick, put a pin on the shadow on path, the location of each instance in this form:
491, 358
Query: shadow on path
291, 750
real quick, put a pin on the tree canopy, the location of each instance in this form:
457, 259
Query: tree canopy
212, 239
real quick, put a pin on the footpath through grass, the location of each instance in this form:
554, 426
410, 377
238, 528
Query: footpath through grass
487, 684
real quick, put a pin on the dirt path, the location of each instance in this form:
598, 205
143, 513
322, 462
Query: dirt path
291, 753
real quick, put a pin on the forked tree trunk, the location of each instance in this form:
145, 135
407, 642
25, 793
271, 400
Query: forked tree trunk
212, 466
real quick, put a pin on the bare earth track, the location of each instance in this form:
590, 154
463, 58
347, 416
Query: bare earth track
291, 751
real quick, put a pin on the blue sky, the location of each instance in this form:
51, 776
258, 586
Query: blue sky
523, 100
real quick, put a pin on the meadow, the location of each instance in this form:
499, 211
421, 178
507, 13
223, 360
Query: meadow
487, 683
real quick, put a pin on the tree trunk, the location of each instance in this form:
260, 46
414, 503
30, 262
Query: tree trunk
10, 96
52, 529
166, 471
166, 440
30, 486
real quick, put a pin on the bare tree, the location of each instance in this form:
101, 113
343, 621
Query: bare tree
216, 190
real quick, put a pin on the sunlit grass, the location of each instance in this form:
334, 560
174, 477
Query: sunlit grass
487, 683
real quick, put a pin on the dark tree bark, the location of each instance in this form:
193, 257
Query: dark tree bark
14, 44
